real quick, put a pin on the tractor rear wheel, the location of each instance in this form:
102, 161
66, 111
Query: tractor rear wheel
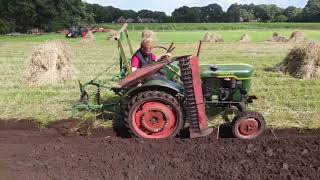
248, 125
154, 115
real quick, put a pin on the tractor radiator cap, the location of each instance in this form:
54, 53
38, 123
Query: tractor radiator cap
213, 67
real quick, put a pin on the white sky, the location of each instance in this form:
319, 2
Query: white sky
168, 6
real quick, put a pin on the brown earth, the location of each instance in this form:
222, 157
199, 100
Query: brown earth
29, 153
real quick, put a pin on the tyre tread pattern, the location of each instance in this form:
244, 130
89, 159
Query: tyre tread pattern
249, 114
142, 96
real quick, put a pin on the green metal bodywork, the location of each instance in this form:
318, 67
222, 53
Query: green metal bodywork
172, 70
241, 72
163, 84
238, 71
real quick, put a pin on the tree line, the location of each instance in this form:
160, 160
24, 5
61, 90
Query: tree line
52, 15
49, 15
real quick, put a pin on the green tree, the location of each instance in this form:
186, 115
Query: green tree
146, 13
157, 15
69, 13
50, 15
100, 13
186, 14
24, 14
245, 15
280, 18
212, 13
161, 16
239, 13
311, 12
129, 14
292, 13
233, 13
270, 12
7, 23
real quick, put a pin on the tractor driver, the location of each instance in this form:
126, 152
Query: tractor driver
144, 55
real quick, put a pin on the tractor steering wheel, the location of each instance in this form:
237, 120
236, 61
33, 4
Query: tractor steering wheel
168, 51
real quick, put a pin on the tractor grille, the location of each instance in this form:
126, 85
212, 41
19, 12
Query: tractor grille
191, 105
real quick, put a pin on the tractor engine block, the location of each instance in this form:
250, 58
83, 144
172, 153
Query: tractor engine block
222, 88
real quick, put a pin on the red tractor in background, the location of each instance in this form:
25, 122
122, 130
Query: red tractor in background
78, 31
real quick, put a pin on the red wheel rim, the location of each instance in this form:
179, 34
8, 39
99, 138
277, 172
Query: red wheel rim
154, 120
248, 128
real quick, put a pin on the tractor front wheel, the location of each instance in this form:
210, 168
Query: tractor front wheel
248, 125
154, 115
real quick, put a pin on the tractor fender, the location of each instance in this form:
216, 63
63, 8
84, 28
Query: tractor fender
165, 85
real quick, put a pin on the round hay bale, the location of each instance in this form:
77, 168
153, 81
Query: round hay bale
147, 34
215, 38
302, 62
245, 38
297, 36
50, 64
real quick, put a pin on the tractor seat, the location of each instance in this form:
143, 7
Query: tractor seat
238, 71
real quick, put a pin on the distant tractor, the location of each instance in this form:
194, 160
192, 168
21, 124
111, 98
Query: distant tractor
78, 31
159, 108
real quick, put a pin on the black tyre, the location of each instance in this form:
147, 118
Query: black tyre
248, 125
154, 115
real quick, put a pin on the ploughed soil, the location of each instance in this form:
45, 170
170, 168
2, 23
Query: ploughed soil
63, 151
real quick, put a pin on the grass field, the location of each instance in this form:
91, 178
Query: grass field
283, 100
213, 26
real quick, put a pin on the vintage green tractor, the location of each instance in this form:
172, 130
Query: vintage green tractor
159, 107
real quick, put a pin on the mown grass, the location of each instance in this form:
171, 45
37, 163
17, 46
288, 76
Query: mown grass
212, 26
230, 36
283, 100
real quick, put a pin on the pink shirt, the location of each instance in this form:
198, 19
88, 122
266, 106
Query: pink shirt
136, 63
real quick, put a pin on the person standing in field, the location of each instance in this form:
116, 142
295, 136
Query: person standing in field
144, 55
